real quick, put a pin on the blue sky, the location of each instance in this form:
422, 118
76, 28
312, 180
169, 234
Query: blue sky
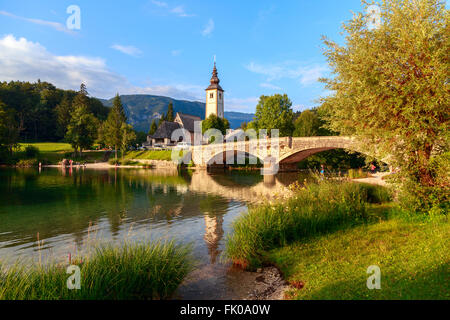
167, 47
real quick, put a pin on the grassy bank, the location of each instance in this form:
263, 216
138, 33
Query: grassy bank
326, 236
414, 259
139, 271
54, 152
150, 155
313, 210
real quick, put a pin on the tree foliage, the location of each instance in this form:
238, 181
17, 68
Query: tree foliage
391, 85
170, 116
274, 112
309, 124
153, 128
113, 127
215, 122
82, 129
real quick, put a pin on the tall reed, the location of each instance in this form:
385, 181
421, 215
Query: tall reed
151, 270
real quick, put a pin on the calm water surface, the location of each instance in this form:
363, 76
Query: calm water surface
70, 209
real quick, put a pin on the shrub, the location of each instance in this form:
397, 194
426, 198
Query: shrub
27, 163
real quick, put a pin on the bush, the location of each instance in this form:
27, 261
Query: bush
357, 174
31, 152
315, 209
27, 163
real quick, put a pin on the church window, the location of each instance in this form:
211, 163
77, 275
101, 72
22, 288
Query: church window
211, 95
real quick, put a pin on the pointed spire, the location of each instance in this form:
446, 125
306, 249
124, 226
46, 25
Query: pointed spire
214, 79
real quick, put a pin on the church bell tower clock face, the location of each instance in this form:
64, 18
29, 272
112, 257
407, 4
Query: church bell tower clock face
214, 96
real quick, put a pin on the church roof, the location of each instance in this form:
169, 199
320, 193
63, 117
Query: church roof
165, 130
214, 80
187, 121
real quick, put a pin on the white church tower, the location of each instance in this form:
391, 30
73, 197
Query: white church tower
214, 97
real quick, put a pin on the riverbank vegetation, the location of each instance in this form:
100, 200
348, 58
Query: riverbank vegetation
325, 237
413, 256
314, 209
150, 270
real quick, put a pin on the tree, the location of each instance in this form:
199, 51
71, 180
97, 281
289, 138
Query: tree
153, 128
391, 89
128, 136
63, 115
215, 122
112, 129
274, 112
170, 117
82, 129
308, 124
9, 132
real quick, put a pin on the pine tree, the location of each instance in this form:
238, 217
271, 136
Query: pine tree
112, 130
170, 117
153, 128
63, 115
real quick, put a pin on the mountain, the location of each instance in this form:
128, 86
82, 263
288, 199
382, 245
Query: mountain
142, 109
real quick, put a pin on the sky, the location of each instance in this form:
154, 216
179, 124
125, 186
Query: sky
168, 47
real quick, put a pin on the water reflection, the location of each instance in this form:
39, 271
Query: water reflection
69, 206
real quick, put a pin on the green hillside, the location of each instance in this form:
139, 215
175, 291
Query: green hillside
142, 109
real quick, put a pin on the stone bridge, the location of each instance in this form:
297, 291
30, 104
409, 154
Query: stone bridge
283, 153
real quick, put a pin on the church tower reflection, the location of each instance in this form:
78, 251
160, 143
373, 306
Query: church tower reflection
213, 209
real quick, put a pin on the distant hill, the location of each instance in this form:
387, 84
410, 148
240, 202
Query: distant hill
142, 109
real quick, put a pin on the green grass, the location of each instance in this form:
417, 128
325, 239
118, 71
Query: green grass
54, 152
313, 210
49, 146
414, 258
139, 271
165, 155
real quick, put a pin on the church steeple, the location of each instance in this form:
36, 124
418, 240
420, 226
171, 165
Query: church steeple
215, 80
214, 96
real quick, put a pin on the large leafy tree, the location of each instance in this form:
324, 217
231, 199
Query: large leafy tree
82, 129
128, 137
390, 87
274, 112
215, 122
112, 128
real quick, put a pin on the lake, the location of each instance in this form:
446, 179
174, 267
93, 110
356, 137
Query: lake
70, 209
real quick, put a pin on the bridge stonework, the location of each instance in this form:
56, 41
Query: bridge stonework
284, 152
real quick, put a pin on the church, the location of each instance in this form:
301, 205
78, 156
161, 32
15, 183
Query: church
214, 105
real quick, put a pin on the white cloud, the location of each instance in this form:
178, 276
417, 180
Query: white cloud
129, 50
209, 28
160, 4
179, 11
176, 53
305, 74
55, 25
25, 60
270, 86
